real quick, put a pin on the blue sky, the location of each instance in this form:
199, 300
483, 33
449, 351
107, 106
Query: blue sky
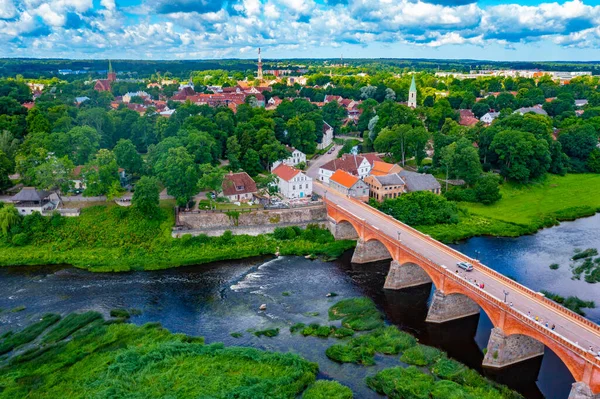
205, 29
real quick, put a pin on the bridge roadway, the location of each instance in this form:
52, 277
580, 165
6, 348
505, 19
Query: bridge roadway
524, 301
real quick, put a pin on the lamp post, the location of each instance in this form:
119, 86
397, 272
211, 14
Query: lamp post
505, 295
399, 233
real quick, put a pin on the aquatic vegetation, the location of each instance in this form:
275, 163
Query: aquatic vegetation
236, 334
358, 314
18, 309
421, 355
120, 313
554, 266
69, 325
362, 349
572, 302
588, 253
317, 330
271, 332
285, 293
124, 360
28, 334
327, 390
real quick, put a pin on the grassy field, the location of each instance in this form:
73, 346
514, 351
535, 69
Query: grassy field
114, 238
526, 209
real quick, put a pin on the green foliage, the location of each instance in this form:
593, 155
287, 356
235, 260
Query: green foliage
362, 349
327, 390
67, 326
271, 332
359, 314
20, 239
421, 208
236, 334
9, 217
554, 266
585, 254
28, 334
522, 156
421, 355
120, 313
146, 197
124, 360
402, 383
572, 302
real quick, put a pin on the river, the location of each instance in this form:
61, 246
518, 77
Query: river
215, 300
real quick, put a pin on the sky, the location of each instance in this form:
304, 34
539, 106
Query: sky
526, 30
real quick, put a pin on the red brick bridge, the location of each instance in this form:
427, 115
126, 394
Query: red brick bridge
418, 259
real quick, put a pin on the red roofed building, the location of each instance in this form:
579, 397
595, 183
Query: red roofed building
467, 118
292, 182
104, 84
348, 184
384, 168
357, 165
239, 187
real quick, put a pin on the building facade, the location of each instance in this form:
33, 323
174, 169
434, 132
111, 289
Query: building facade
349, 185
296, 157
292, 183
385, 187
239, 187
357, 165
412, 94
327, 138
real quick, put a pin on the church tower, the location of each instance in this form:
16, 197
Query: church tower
412, 94
259, 76
112, 76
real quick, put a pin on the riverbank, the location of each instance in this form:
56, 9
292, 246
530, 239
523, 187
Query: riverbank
525, 209
117, 239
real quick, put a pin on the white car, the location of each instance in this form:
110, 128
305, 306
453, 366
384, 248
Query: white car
466, 266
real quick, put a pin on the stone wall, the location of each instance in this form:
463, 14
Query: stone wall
405, 276
505, 350
370, 251
450, 307
252, 223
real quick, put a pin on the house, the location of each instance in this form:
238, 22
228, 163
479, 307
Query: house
489, 117
383, 168
348, 184
467, 118
79, 177
80, 100
296, 157
129, 95
581, 103
238, 187
292, 182
535, 110
327, 138
30, 200
420, 182
356, 165
382, 187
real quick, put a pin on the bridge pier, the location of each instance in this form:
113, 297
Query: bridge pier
342, 230
405, 276
580, 390
503, 350
369, 251
450, 307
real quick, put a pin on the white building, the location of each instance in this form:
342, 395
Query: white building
292, 182
412, 94
356, 165
296, 157
489, 117
327, 136
128, 96
30, 200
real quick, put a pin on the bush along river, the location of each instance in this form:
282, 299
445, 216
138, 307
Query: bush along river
221, 302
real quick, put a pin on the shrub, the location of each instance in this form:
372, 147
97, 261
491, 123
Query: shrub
421, 355
20, 239
327, 390
421, 208
461, 194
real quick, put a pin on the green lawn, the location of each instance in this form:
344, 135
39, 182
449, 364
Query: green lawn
525, 209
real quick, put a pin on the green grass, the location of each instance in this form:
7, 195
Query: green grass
358, 314
524, 209
28, 334
127, 361
114, 238
69, 325
421, 355
327, 390
317, 330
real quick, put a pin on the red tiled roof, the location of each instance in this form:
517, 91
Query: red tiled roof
238, 183
102, 85
347, 162
372, 157
285, 172
381, 168
343, 178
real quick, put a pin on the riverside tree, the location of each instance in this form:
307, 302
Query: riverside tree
146, 196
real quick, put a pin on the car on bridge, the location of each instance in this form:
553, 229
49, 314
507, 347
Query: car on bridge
466, 266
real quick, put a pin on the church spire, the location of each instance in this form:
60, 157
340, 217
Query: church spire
412, 93
259, 75
111, 76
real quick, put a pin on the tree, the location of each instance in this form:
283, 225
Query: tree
146, 196
578, 141
211, 178
446, 159
593, 162
480, 109
5, 166
54, 173
251, 163
128, 157
81, 143
178, 173
487, 189
465, 162
9, 217
522, 156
